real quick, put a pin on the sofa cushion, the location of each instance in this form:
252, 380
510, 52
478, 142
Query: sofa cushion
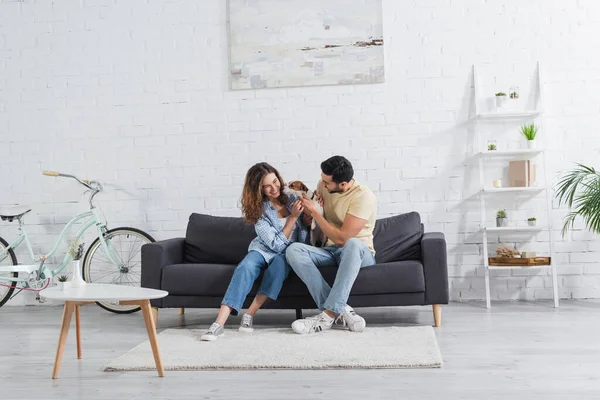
213, 279
217, 240
398, 238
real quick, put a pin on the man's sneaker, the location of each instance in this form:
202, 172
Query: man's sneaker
351, 319
316, 323
213, 333
246, 323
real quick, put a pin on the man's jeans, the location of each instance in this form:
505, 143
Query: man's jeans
306, 260
247, 271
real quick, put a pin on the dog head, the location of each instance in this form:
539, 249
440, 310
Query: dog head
298, 186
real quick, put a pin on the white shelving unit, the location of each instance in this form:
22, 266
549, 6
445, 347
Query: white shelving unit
520, 154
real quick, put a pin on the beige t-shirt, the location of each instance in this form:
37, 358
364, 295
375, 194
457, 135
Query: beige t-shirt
359, 201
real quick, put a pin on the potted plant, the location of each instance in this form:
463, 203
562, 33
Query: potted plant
76, 252
501, 220
492, 147
579, 189
500, 99
514, 92
531, 221
62, 282
529, 132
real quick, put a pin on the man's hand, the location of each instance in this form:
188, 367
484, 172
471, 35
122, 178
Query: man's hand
319, 199
309, 206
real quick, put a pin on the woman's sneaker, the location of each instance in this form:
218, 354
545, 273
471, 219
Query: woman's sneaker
213, 333
352, 320
246, 324
316, 323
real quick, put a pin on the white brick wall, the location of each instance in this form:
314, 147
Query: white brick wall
134, 93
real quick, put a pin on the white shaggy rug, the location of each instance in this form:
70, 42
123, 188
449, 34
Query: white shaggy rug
376, 347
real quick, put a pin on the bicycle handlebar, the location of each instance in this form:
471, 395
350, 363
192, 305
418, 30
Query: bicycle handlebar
84, 182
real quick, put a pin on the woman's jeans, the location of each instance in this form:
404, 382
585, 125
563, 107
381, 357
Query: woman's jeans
248, 271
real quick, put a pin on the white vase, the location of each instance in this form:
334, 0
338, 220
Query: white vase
531, 223
77, 280
531, 144
63, 285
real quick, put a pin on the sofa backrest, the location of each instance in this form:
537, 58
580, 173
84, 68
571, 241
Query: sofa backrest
218, 240
398, 238
225, 240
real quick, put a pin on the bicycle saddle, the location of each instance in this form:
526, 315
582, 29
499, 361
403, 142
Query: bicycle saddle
10, 213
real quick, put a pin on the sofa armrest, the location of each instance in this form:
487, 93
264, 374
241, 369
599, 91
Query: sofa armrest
156, 256
435, 267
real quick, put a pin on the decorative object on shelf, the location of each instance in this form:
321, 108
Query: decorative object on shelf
500, 99
501, 220
62, 282
514, 92
518, 262
521, 173
531, 221
579, 189
492, 147
529, 132
528, 254
76, 252
506, 252
497, 183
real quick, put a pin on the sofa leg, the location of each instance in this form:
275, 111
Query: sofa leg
437, 315
181, 311
298, 313
155, 315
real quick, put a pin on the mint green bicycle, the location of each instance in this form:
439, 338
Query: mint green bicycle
113, 257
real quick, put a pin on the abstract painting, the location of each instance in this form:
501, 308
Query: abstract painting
287, 43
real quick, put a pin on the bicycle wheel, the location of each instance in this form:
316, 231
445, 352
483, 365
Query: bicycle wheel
10, 259
97, 268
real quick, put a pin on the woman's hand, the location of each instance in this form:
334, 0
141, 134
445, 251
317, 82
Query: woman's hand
297, 209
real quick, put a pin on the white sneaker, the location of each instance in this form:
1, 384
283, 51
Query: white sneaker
316, 323
213, 333
246, 324
352, 320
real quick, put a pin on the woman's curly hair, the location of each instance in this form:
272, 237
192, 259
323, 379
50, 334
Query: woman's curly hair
252, 194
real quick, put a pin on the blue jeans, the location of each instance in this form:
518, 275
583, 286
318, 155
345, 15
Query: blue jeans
306, 260
248, 271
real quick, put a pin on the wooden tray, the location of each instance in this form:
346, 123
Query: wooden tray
524, 262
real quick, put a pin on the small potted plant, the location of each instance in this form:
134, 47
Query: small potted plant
76, 252
514, 92
529, 132
492, 147
501, 220
500, 99
531, 221
62, 282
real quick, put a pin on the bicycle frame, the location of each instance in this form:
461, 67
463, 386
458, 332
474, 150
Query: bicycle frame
45, 272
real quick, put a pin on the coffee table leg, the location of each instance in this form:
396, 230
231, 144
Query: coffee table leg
62, 340
78, 330
151, 328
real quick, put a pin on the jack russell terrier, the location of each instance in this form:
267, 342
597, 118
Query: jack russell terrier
317, 237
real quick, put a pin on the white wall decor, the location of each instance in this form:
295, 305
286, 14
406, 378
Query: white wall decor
283, 43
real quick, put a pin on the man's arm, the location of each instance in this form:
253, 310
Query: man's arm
350, 228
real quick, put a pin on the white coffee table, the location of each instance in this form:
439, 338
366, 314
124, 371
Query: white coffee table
92, 292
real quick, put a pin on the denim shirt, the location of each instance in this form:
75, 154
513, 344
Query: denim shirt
270, 239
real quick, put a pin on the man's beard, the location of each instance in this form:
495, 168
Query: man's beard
336, 190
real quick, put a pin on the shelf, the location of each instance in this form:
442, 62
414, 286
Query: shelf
508, 115
514, 189
515, 229
511, 153
520, 267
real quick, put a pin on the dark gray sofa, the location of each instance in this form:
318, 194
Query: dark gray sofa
411, 267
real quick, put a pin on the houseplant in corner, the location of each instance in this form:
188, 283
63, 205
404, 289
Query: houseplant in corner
579, 189
531, 221
76, 252
501, 220
529, 132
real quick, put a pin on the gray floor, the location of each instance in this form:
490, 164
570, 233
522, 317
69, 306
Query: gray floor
519, 350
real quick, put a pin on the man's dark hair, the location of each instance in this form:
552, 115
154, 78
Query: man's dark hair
339, 168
